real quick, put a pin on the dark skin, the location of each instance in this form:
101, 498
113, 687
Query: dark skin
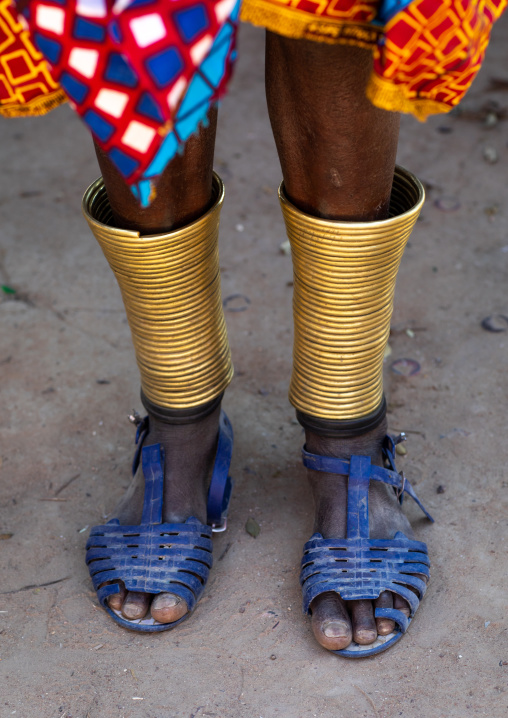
337, 153
184, 191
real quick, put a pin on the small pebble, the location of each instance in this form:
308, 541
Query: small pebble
239, 227
273, 657
491, 120
440, 489
236, 303
447, 204
495, 323
405, 367
285, 247
252, 527
490, 155
491, 210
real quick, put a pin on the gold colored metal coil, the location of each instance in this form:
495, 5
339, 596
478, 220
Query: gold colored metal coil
344, 281
170, 286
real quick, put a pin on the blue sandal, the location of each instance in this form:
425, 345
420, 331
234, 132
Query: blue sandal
359, 567
155, 557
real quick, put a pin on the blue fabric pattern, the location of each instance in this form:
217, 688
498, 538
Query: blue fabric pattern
389, 8
119, 70
197, 100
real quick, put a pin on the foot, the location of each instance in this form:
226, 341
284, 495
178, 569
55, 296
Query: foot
189, 451
335, 622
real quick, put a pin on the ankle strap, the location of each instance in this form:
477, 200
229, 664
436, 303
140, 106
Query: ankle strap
392, 477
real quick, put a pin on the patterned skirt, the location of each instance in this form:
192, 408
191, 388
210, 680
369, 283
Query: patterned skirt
143, 74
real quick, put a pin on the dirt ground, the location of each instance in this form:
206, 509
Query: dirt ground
68, 381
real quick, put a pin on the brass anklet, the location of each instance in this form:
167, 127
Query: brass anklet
170, 286
344, 281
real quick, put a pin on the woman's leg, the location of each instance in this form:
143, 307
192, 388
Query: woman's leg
337, 153
184, 193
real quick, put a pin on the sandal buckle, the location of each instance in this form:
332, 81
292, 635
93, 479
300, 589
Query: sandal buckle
219, 527
135, 418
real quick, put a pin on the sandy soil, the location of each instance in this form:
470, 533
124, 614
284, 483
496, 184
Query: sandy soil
68, 381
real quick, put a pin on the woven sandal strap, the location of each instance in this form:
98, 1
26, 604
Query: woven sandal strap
324, 583
364, 568
173, 558
360, 471
152, 459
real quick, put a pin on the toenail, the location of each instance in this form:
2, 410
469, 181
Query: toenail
367, 636
168, 602
133, 607
335, 629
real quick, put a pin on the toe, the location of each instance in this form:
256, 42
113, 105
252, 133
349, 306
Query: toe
330, 621
135, 605
115, 601
401, 605
364, 625
384, 625
167, 608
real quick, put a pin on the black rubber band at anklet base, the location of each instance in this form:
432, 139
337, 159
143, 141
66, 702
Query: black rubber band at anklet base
181, 416
343, 429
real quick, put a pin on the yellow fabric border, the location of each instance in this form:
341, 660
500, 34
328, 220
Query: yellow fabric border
36, 107
388, 96
292, 23
298, 25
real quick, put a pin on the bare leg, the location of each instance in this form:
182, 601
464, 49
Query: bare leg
183, 194
337, 153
